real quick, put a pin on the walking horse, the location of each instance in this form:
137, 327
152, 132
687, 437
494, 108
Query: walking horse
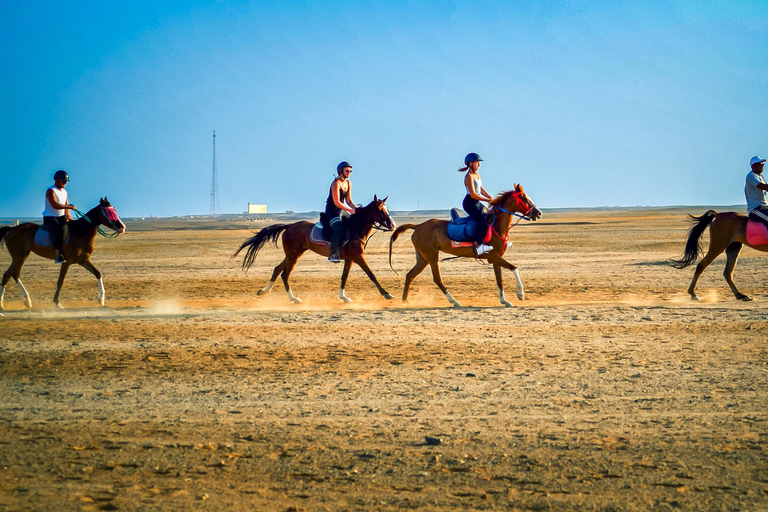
431, 237
729, 232
77, 249
297, 240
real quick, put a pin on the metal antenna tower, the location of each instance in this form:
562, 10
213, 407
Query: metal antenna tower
214, 181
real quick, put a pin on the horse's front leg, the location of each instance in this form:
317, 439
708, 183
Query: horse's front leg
93, 270
497, 266
62, 275
360, 260
344, 275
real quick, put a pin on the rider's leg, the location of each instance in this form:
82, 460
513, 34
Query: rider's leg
336, 233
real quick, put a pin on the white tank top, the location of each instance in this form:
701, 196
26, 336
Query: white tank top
61, 198
478, 184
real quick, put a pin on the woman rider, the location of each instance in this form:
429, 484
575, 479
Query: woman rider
339, 198
475, 194
56, 213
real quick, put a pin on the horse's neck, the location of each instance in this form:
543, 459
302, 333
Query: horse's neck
503, 220
362, 225
85, 225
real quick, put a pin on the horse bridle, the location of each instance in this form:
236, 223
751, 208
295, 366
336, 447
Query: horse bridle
112, 223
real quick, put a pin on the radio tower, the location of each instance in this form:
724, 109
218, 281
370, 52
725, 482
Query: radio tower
214, 181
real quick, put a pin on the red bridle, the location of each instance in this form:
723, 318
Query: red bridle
525, 210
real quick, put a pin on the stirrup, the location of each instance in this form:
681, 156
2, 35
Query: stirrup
334, 258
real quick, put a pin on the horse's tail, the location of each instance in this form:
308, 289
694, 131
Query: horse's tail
693, 245
4, 231
257, 241
399, 231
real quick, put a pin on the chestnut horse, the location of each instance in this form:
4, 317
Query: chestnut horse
727, 232
431, 237
20, 241
296, 240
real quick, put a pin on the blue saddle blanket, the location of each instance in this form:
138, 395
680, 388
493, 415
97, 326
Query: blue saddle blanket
464, 229
43, 237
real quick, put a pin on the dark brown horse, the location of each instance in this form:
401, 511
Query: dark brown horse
727, 232
296, 241
20, 241
431, 237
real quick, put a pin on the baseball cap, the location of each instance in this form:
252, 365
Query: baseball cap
756, 160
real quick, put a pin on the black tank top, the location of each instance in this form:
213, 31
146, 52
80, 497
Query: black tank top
330, 207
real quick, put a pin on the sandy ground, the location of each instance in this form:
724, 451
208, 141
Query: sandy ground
606, 389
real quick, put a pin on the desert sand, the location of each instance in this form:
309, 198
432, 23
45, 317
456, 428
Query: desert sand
606, 389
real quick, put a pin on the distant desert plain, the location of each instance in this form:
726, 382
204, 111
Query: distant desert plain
606, 389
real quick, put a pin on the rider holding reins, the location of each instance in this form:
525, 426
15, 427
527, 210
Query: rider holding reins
56, 213
755, 191
475, 194
339, 198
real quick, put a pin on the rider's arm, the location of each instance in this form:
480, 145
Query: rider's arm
349, 199
762, 186
336, 200
52, 199
487, 195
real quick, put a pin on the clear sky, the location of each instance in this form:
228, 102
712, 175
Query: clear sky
594, 103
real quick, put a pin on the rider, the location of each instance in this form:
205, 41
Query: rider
755, 190
56, 213
475, 194
339, 198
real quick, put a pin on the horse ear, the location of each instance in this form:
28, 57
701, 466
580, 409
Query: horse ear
385, 199
375, 199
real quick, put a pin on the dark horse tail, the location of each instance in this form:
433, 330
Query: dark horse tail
399, 231
693, 245
256, 242
4, 231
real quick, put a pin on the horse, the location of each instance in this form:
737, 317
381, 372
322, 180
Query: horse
431, 237
296, 241
77, 249
727, 232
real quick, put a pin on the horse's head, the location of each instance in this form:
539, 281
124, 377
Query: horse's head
381, 215
517, 201
109, 216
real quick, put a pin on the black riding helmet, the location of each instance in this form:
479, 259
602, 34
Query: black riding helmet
472, 157
61, 174
342, 166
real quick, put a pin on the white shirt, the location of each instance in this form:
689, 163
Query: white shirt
755, 196
61, 198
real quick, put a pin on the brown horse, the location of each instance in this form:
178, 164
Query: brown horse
431, 237
20, 241
296, 240
727, 232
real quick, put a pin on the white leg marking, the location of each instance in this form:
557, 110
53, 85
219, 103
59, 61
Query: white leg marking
452, 300
343, 296
24, 294
520, 291
102, 292
2, 292
503, 298
267, 288
292, 297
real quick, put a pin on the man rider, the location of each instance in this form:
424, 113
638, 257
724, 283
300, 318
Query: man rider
56, 213
755, 191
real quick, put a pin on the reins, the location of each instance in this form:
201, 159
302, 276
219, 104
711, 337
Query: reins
81, 215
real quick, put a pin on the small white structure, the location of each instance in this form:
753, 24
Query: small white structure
257, 208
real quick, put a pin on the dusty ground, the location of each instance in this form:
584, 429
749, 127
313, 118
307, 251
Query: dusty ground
605, 390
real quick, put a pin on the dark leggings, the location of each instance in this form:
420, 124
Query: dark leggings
760, 214
475, 210
55, 226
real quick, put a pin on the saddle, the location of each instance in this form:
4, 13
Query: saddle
464, 229
757, 232
43, 236
321, 232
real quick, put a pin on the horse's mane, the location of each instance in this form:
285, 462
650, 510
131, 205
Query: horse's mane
357, 220
502, 197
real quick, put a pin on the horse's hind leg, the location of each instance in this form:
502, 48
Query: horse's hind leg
715, 250
732, 252
433, 263
417, 269
15, 271
275, 273
62, 275
93, 270
290, 262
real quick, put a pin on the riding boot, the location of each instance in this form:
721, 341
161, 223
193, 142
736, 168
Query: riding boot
336, 228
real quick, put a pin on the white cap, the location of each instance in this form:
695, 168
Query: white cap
756, 160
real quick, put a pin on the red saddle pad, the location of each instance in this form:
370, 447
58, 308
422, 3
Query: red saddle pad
757, 233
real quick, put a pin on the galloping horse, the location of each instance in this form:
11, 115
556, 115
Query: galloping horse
296, 240
727, 232
431, 237
20, 241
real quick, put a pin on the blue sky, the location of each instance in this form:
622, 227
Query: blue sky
584, 103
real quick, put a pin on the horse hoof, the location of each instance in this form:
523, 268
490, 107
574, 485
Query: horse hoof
695, 297
296, 300
346, 300
457, 305
521, 296
389, 296
507, 304
746, 298
59, 306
